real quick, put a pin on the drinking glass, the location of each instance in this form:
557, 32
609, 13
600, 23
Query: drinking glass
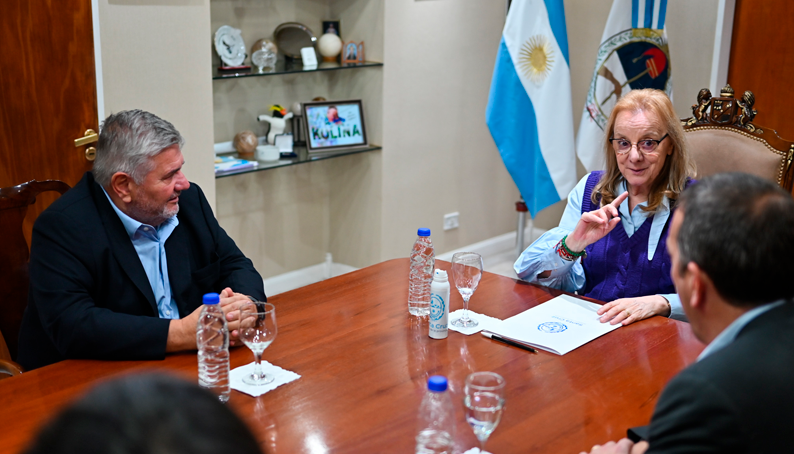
257, 330
484, 396
466, 273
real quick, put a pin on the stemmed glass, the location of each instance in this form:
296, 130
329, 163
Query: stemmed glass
485, 400
466, 273
257, 330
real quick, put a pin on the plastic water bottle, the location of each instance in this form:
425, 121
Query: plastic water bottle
423, 259
439, 305
212, 339
436, 432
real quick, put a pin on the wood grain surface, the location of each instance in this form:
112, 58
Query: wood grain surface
761, 60
364, 362
47, 93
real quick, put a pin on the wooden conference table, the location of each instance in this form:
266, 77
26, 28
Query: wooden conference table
364, 362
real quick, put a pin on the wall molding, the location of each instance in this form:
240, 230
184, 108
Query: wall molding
722, 45
496, 245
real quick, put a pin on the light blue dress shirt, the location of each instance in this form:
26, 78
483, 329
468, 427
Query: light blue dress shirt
149, 243
729, 334
569, 275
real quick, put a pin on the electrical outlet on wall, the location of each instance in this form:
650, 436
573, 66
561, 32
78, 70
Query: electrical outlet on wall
451, 221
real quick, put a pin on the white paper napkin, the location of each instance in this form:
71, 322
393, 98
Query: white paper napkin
485, 322
282, 377
476, 451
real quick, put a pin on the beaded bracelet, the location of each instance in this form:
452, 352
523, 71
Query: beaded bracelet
567, 254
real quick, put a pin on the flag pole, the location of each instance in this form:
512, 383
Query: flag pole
521, 208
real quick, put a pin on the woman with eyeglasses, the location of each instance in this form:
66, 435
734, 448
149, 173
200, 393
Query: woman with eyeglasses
610, 244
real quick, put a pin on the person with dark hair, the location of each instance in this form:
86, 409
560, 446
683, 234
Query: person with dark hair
140, 414
731, 240
119, 263
617, 219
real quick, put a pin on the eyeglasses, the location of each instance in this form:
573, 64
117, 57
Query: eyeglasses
644, 146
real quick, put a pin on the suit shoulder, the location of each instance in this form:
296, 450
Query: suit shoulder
77, 202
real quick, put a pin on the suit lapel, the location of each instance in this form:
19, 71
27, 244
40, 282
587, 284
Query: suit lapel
177, 250
121, 246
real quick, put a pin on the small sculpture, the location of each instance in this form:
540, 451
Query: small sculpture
699, 109
245, 143
746, 104
330, 46
264, 58
278, 122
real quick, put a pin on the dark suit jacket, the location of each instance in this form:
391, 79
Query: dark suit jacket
737, 400
89, 294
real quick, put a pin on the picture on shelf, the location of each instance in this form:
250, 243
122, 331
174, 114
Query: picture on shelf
332, 26
332, 125
351, 52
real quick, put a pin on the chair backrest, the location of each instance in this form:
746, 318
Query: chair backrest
723, 138
14, 254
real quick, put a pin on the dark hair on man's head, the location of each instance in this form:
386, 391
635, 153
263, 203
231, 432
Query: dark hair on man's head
140, 414
739, 229
127, 142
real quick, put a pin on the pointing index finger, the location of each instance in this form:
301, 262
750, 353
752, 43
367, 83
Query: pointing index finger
616, 203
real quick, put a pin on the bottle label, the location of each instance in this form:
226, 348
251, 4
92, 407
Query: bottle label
438, 315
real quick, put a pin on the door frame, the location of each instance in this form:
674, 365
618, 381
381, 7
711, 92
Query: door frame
722, 45
100, 91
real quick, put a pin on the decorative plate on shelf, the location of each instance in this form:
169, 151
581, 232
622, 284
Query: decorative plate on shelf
291, 37
230, 46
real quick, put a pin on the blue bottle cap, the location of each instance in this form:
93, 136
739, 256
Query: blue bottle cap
423, 232
211, 298
437, 383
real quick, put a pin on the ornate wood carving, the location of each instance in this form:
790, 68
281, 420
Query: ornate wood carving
737, 114
723, 109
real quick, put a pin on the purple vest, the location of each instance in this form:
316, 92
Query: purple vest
617, 265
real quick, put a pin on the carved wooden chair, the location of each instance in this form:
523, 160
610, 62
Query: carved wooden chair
723, 138
14, 202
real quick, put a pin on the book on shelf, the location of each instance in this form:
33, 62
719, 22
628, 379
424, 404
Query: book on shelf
229, 164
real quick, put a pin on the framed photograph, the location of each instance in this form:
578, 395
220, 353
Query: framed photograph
332, 26
334, 125
350, 52
361, 52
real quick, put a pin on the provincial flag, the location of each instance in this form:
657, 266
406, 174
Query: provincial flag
529, 109
633, 54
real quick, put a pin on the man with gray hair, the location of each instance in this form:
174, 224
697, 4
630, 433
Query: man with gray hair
731, 242
118, 264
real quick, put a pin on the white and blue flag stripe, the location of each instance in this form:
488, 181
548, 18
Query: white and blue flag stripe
648, 13
529, 108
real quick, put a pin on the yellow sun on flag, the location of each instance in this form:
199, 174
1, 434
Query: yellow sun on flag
536, 58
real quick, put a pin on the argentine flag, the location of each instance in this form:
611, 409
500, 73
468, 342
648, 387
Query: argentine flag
529, 108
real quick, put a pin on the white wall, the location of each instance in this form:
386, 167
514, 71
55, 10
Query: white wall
156, 57
438, 155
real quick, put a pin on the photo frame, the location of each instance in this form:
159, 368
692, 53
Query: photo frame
361, 52
334, 125
332, 26
350, 52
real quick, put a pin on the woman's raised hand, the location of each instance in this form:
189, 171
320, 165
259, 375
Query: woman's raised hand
594, 225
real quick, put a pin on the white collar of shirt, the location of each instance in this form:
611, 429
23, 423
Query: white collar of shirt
659, 218
729, 334
132, 226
